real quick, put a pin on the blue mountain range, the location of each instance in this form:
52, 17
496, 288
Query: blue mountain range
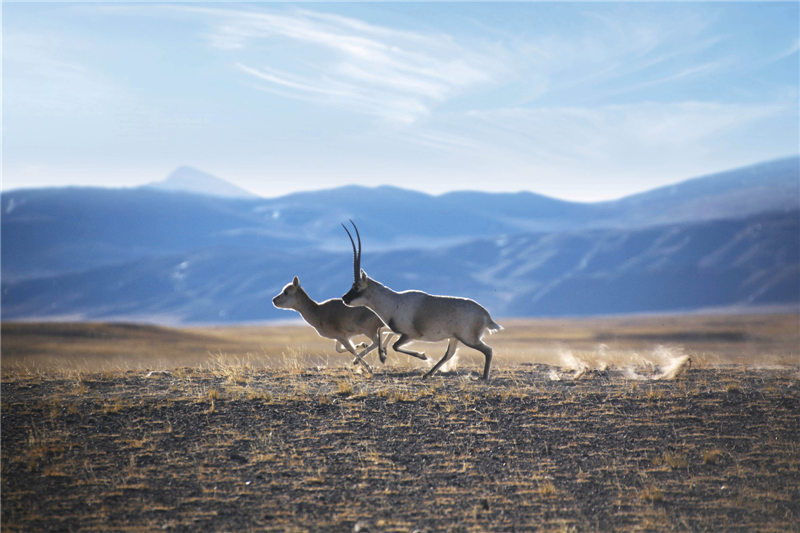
196, 250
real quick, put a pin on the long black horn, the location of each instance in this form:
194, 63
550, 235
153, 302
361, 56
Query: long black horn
356, 261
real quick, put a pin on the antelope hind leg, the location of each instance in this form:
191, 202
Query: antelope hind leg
451, 349
486, 350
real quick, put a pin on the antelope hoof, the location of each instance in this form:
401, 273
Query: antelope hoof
364, 364
428, 374
382, 356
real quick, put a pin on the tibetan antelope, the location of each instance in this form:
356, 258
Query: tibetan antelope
334, 320
416, 315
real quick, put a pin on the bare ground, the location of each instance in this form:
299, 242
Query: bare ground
231, 446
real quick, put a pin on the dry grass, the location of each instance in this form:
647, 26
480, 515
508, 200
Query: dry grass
108, 427
642, 345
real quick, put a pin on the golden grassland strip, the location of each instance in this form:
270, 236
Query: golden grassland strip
571, 344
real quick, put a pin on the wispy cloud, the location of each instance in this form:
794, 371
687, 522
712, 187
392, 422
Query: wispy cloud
613, 131
595, 152
612, 53
398, 75
401, 108
789, 51
687, 73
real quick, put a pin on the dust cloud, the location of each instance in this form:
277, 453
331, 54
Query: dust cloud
660, 363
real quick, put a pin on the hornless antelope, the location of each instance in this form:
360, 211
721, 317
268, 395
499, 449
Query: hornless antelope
416, 315
334, 320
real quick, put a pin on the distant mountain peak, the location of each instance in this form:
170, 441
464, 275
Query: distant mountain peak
192, 180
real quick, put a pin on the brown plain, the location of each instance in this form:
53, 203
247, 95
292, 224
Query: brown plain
133, 427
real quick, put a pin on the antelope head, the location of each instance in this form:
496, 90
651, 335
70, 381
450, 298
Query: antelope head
355, 296
287, 298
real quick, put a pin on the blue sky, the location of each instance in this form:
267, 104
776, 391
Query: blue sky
583, 101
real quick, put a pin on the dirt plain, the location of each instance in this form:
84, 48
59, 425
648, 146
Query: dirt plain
628, 424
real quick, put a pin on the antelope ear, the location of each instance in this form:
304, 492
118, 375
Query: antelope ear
363, 275
296, 282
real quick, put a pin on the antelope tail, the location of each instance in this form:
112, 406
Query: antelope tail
493, 327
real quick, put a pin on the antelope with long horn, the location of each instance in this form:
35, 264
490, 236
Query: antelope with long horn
334, 320
416, 315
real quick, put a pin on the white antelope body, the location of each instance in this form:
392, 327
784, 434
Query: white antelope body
416, 315
333, 319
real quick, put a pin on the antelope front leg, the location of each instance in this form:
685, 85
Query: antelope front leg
404, 339
350, 348
367, 349
383, 338
340, 348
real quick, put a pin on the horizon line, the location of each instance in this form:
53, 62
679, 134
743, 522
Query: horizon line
153, 185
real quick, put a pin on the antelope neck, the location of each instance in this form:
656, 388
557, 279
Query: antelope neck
306, 306
381, 298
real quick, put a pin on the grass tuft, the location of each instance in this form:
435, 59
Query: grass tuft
651, 493
546, 488
676, 460
712, 456
344, 388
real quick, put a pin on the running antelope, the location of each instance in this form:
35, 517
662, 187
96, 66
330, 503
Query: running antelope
334, 320
416, 315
